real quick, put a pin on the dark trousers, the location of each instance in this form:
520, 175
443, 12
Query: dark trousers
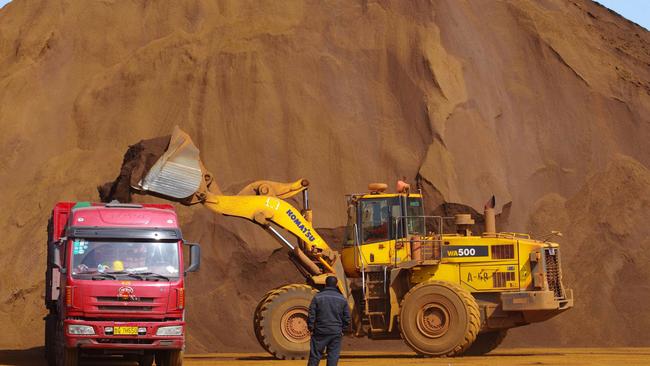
319, 343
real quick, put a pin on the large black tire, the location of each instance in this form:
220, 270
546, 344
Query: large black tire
486, 342
145, 360
281, 321
64, 356
50, 339
169, 358
439, 318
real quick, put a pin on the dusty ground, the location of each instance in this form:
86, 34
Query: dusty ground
505, 357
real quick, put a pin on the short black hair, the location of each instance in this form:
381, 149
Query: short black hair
331, 281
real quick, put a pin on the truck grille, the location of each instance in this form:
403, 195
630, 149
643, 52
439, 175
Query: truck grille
553, 275
120, 299
132, 304
124, 308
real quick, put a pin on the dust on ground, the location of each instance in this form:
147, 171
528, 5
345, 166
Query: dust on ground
508, 357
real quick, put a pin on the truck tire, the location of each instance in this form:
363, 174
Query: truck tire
170, 358
281, 323
439, 318
64, 356
70, 357
50, 341
145, 360
486, 342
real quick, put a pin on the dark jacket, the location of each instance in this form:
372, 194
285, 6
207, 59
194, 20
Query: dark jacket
328, 312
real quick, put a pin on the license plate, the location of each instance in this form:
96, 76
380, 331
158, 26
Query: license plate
125, 331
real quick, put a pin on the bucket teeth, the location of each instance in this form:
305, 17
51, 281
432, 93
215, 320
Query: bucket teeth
177, 173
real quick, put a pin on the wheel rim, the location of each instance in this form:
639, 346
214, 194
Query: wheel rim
433, 320
294, 325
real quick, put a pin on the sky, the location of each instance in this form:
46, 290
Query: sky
637, 11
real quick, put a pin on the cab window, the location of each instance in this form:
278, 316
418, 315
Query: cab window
415, 222
377, 218
349, 230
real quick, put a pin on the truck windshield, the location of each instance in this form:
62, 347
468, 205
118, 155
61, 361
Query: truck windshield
157, 258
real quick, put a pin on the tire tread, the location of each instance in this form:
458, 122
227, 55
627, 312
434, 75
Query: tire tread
473, 315
262, 311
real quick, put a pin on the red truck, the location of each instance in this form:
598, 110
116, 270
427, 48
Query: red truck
115, 283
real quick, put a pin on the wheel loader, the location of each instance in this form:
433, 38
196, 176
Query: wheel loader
444, 294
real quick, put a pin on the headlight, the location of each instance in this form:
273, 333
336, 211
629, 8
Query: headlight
80, 329
175, 330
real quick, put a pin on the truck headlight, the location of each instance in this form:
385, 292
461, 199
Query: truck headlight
175, 330
80, 329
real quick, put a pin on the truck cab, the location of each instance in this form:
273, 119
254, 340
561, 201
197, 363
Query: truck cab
115, 283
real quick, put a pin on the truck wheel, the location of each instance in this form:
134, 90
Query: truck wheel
50, 343
282, 321
146, 360
439, 318
170, 358
486, 342
64, 356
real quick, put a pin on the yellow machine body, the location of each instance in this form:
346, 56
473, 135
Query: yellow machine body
389, 232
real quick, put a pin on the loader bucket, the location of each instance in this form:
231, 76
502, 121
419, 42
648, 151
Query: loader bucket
177, 173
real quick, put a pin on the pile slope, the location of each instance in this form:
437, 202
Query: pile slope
523, 99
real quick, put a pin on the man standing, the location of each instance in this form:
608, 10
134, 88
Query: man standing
329, 316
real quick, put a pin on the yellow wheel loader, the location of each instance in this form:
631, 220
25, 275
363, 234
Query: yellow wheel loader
444, 294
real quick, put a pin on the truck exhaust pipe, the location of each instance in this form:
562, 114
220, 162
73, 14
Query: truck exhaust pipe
489, 216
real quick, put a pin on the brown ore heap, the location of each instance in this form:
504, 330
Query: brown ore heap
138, 159
545, 104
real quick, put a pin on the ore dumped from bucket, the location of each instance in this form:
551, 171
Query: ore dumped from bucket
138, 159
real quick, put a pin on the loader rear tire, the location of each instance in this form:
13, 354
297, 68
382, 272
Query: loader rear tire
486, 342
281, 321
439, 318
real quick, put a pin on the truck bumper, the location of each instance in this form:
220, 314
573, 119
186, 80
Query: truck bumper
536, 301
103, 340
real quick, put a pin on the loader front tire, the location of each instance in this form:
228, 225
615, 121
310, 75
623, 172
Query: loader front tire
281, 321
439, 318
257, 319
486, 342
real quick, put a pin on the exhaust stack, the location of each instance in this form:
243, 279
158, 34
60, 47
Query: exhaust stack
490, 219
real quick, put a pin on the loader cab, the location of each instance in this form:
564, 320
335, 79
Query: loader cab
376, 223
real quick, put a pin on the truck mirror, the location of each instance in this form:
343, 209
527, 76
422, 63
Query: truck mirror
56, 257
195, 257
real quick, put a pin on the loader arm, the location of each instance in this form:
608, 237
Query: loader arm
312, 253
180, 175
265, 210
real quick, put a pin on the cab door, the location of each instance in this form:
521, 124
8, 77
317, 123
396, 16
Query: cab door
377, 228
